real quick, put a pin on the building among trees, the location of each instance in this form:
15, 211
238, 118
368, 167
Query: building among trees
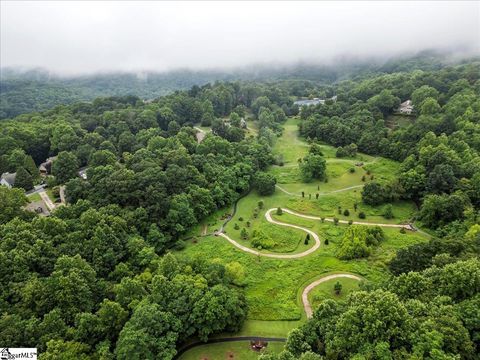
8, 179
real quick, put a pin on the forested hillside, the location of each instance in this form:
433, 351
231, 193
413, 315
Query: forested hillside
97, 279
38, 90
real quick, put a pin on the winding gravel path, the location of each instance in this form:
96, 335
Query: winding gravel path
268, 216
306, 304
311, 217
278, 256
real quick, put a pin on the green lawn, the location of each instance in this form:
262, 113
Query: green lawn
326, 290
235, 350
34, 197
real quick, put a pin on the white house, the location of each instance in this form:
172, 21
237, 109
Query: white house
8, 179
406, 108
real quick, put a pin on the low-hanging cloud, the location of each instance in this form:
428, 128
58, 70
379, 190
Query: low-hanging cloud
84, 37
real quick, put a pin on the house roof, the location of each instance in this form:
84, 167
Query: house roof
9, 178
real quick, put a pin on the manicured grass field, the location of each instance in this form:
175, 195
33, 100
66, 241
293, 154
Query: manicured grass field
236, 350
326, 290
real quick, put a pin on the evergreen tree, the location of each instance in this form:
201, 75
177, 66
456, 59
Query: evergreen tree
23, 179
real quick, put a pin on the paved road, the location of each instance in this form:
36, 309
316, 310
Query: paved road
43, 194
306, 304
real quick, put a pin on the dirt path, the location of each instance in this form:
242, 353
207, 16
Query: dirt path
306, 304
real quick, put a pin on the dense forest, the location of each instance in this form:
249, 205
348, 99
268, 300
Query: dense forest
96, 279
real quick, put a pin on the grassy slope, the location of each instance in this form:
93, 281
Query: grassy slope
273, 287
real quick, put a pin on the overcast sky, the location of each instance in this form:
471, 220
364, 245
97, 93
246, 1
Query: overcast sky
83, 37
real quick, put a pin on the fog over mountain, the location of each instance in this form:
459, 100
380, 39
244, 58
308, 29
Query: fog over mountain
73, 38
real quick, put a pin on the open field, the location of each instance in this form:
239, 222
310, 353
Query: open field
235, 350
273, 287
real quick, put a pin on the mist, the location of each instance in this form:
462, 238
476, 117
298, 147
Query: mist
75, 38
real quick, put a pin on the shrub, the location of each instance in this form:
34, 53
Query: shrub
279, 211
262, 241
322, 219
260, 204
335, 220
248, 223
337, 288
388, 211
352, 170
363, 178
403, 231
244, 234
236, 227
350, 222
326, 242
346, 212
361, 215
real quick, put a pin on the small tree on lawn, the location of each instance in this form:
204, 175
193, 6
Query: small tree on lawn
307, 239
236, 227
279, 211
339, 210
363, 178
322, 219
317, 195
403, 231
337, 288
361, 215
248, 223
310, 196
335, 220
346, 212
303, 194
244, 234
350, 222
326, 242
255, 213
260, 204
355, 207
